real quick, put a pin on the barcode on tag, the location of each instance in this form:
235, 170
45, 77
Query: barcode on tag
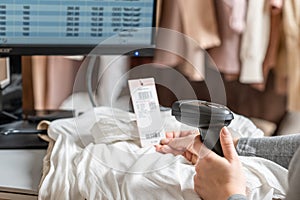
145, 95
152, 135
146, 108
152, 105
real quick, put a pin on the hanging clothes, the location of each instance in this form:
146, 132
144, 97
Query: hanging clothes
238, 12
169, 19
272, 53
199, 22
39, 79
231, 22
255, 41
53, 80
196, 21
291, 27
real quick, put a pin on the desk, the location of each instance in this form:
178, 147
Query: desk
20, 173
21, 141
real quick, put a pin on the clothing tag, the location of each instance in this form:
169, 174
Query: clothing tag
146, 108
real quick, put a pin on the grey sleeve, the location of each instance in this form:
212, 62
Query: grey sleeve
293, 192
237, 197
279, 149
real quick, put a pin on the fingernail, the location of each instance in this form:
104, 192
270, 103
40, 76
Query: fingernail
165, 141
169, 135
225, 131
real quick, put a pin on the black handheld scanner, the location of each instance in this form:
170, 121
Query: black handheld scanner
208, 117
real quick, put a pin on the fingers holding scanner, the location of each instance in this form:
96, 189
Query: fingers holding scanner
216, 173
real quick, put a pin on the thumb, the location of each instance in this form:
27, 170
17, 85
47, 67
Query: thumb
227, 144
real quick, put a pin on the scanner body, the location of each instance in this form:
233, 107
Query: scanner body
207, 116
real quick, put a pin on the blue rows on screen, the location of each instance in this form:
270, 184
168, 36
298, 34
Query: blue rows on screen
75, 22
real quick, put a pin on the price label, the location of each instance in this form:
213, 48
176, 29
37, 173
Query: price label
146, 107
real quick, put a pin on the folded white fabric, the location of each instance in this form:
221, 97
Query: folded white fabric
97, 156
265, 179
117, 125
242, 126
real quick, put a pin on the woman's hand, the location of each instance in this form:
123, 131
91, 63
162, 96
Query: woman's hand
219, 177
181, 143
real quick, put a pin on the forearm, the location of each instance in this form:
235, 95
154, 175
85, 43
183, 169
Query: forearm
279, 149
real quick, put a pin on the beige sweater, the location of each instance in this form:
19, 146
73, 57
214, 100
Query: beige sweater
291, 27
191, 26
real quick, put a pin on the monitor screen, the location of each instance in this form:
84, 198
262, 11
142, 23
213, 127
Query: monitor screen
68, 27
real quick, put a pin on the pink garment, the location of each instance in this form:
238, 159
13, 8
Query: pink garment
238, 14
276, 3
226, 56
61, 74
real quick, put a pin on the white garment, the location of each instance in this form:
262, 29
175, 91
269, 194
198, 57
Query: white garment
119, 169
255, 41
242, 127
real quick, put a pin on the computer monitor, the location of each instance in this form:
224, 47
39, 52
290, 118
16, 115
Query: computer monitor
68, 27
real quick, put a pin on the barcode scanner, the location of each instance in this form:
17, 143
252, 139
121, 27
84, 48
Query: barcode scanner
207, 116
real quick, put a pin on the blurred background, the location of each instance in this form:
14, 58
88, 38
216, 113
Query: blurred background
254, 44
